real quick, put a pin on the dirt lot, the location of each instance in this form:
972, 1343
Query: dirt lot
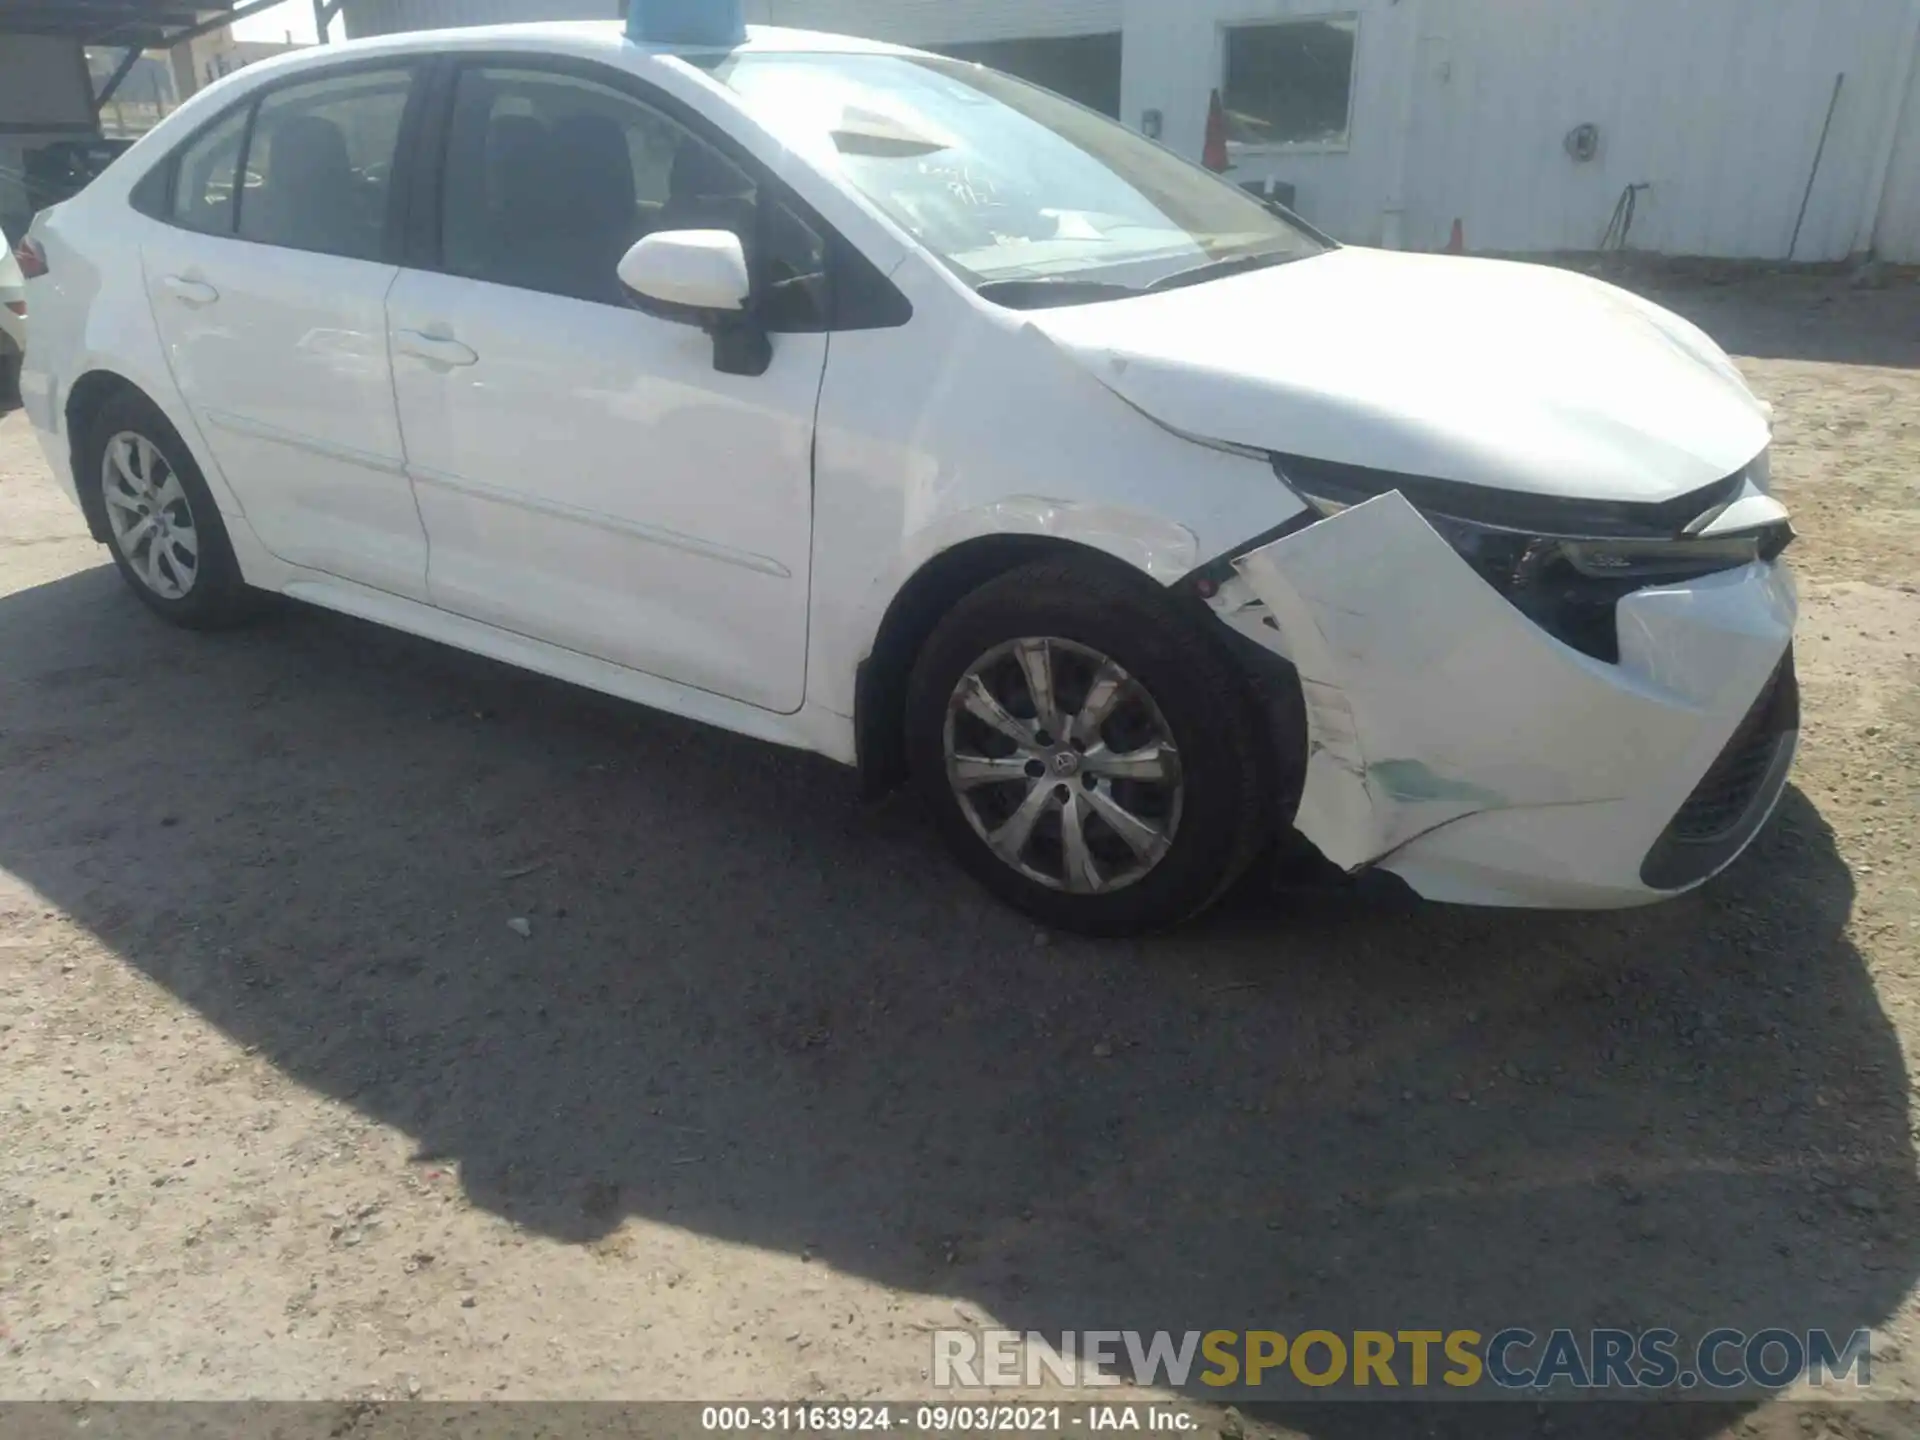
769, 1090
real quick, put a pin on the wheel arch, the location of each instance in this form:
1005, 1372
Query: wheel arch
942, 581
86, 398
880, 680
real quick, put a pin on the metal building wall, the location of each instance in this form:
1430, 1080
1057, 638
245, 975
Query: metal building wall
1716, 105
1898, 235
1461, 109
44, 86
943, 22
45, 94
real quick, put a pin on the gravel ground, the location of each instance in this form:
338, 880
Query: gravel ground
768, 1090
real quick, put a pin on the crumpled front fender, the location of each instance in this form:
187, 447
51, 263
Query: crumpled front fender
1430, 698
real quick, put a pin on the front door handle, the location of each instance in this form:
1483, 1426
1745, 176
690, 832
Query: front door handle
190, 292
434, 349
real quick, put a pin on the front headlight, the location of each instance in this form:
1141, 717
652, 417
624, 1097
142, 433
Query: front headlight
1652, 561
1565, 564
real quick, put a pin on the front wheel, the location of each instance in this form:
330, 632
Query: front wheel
1088, 752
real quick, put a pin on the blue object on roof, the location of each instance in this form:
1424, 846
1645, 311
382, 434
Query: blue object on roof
686, 22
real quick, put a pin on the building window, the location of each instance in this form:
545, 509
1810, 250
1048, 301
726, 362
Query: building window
1290, 84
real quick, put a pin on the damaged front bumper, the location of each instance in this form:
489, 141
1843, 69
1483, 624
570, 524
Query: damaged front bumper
1456, 744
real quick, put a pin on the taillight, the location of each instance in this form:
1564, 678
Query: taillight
32, 259
18, 307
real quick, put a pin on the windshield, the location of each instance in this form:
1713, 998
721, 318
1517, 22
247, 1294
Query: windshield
1029, 197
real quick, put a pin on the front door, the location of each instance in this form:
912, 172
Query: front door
585, 474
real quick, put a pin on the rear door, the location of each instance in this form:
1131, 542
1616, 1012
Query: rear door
269, 279
586, 475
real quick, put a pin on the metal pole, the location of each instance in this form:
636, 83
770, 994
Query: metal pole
120, 73
323, 13
1814, 174
219, 21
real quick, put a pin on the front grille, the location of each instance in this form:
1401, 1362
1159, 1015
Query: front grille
1719, 816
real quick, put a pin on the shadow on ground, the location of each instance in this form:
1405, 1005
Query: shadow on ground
752, 1007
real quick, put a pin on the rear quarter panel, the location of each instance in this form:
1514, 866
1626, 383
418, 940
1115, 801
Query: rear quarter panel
90, 313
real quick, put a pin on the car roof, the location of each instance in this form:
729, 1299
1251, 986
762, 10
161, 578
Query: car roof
605, 41
600, 39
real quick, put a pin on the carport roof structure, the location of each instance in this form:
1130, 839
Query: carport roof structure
144, 24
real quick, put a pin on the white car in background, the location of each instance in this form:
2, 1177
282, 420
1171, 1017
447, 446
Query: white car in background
13, 319
882, 405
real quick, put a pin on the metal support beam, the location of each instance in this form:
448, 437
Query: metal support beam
91, 17
120, 73
323, 13
207, 27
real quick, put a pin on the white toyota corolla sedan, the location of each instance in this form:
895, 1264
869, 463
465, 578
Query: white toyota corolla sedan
882, 405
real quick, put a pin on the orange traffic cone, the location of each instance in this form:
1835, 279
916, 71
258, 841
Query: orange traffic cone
1214, 156
1457, 241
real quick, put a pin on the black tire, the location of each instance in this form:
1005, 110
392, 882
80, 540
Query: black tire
1204, 701
215, 596
10, 360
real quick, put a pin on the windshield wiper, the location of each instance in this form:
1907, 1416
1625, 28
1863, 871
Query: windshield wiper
1220, 269
1039, 294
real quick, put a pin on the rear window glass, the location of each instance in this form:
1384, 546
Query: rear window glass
320, 164
203, 190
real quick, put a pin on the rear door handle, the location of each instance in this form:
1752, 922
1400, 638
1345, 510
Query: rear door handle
434, 349
190, 292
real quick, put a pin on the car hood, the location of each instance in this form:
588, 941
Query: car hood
1513, 376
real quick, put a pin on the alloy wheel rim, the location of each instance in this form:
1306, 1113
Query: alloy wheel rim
149, 514
1063, 765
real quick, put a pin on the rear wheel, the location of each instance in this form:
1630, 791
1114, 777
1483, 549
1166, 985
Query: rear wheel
1088, 752
163, 528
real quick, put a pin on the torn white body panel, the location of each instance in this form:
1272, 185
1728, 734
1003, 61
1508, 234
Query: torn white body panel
1457, 744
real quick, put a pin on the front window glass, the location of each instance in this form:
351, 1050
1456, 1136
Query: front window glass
1026, 195
550, 178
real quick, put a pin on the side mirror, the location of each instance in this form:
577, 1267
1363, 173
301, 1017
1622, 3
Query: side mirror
700, 277
689, 271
